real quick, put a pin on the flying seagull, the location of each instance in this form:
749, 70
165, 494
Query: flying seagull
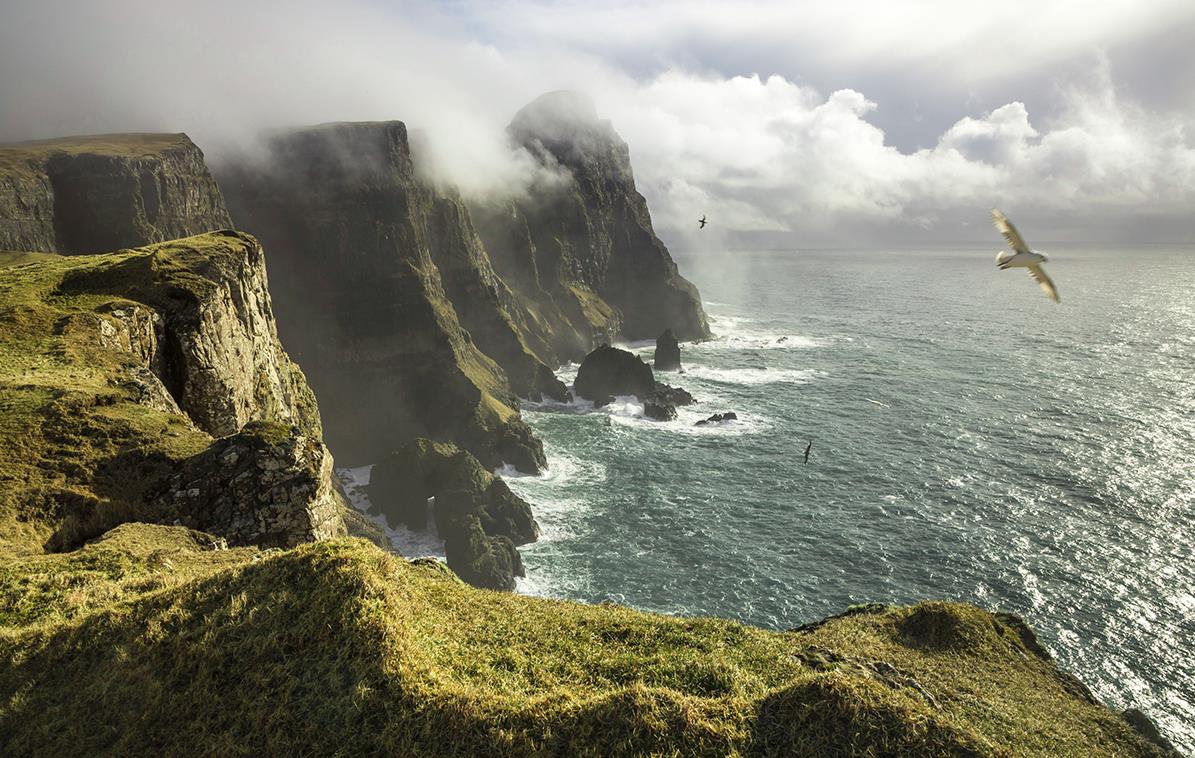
807, 449
1021, 256
701, 221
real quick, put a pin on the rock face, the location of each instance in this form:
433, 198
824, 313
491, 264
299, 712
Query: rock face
106, 192
267, 485
479, 518
609, 371
367, 257
667, 355
580, 244
123, 367
212, 341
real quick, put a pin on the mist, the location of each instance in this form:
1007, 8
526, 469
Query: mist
829, 125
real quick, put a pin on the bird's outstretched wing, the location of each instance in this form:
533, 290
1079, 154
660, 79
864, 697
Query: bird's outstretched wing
1015, 241
1047, 285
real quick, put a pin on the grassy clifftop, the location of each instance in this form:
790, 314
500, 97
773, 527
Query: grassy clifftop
149, 641
116, 369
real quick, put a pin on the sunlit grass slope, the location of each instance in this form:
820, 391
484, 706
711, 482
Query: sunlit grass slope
149, 641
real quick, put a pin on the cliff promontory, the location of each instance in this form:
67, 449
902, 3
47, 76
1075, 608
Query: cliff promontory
579, 244
106, 192
117, 374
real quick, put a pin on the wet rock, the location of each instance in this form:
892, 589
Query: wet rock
718, 418
1147, 729
659, 411
667, 355
467, 498
609, 371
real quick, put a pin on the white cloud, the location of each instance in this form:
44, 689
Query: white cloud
756, 152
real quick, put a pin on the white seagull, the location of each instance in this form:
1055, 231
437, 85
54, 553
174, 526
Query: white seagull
1021, 256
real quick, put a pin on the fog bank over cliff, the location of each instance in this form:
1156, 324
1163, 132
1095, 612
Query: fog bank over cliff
855, 131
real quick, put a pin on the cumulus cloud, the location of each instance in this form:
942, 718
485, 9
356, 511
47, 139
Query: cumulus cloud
807, 149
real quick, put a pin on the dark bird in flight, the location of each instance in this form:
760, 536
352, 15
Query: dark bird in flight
807, 449
701, 221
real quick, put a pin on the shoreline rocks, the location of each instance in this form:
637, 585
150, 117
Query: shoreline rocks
667, 354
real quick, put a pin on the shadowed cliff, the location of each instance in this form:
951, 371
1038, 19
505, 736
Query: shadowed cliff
366, 256
105, 192
580, 244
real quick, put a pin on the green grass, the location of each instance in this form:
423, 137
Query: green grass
76, 448
147, 642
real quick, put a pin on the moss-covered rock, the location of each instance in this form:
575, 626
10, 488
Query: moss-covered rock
105, 192
339, 648
116, 372
478, 517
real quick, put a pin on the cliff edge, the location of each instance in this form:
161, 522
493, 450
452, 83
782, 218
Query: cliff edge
105, 192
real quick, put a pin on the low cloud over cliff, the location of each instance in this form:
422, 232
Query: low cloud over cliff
843, 123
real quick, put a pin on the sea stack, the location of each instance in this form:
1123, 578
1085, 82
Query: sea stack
667, 356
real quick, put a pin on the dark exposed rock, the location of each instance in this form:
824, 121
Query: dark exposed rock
366, 256
579, 247
718, 418
659, 411
1147, 729
107, 192
593, 227
668, 395
667, 355
469, 501
609, 371
267, 485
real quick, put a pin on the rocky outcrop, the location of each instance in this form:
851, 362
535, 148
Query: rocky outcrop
106, 192
667, 355
209, 333
718, 418
122, 368
609, 371
366, 258
580, 242
267, 485
475, 513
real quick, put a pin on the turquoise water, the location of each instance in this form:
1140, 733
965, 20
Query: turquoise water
971, 441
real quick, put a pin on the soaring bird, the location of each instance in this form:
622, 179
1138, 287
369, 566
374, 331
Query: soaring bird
701, 221
1021, 256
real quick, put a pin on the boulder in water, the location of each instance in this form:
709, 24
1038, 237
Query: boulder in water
609, 371
667, 357
718, 418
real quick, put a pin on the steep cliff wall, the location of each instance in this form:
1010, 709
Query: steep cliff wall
116, 372
366, 259
581, 243
107, 192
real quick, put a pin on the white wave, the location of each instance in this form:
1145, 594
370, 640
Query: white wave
734, 332
751, 376
408, 543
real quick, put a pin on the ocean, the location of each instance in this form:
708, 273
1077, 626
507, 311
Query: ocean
972, 441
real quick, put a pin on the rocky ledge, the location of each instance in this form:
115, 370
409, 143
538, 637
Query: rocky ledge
150, 385
105, 192
480, 520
